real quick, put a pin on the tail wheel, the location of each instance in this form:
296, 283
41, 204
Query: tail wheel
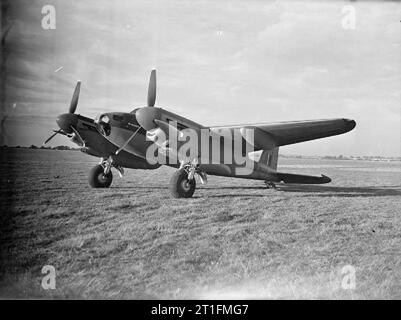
270, 185
181, 186
98, 179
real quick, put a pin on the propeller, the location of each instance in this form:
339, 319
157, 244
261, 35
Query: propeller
152, 89
126, 142
53, 135
75, 97
145, 115
66, 120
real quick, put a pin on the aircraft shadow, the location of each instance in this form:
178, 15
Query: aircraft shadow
321, 191
312, 190
138, 187
236, 195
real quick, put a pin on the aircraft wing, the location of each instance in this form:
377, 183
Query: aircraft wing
270, 135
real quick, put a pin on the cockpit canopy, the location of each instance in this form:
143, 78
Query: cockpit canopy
135, 110
104, 118
103, 124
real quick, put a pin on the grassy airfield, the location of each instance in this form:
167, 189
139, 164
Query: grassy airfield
234, 239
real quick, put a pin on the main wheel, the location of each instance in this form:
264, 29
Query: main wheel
97, 178
180, 186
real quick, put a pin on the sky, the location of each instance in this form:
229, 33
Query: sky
218, 63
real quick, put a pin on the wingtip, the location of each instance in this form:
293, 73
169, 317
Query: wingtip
350, 124
325, 179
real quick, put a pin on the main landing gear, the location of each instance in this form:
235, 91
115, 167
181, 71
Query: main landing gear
98, 178
101, 176
183, 183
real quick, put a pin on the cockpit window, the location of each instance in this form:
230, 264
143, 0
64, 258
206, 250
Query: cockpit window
117, 117
103, 125
104, 119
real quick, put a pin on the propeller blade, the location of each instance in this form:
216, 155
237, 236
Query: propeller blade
60, 131
51, 137
78, 136
128, 141
75, 97
152, 89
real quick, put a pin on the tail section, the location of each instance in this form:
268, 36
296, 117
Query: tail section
269, 158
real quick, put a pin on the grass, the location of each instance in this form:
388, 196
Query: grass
234, 239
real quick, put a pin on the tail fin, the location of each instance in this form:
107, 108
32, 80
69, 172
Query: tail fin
269, 158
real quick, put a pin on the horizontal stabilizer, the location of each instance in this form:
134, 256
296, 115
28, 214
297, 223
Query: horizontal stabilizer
302, 179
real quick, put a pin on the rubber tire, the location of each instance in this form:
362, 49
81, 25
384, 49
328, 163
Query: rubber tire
97, 178
177, 188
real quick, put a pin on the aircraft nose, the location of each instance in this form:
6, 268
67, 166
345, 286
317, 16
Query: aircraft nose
65, 121
145, 117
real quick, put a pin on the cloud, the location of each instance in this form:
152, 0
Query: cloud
273, 61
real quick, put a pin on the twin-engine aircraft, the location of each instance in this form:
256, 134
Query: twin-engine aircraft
143, 137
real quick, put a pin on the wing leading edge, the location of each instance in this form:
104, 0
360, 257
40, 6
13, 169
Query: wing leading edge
285, 133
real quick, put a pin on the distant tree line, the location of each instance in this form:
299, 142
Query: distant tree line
339, 157
41, 147
342, 157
